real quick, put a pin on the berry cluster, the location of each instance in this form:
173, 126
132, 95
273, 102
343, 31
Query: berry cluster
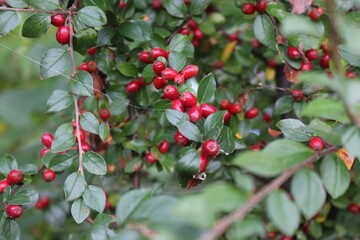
63, 32
249, 8
197, 34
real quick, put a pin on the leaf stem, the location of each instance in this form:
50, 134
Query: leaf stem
34, 10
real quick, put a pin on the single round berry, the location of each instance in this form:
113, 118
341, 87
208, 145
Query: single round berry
181, 139
235, 108
82, 135
159, 82
184, 31
144, 57
316, 143
261, 6
293, 52
192, 24
271, 63
324, 61
58, 20
272, 235
179, 79
3, 184
351, 74
177, 105
297, 94
156, 4
255, 43
251, 113
171, 92
207, 109
306, 66
133, 87
63, 35
47, 139
13, 211
233, 36
225, 104
169, 74
163, 146
158, 52
204, 161
354, 208
15, 176
311, 54
49, 175
84, 67
227, 116
198, 34
255, 147
195, 42
195, 114
91, 51
158, 66
43, 202
44, 151
188, 99
219, 64
150, 158
316, 13
122, 5
86, 146
210, 148
141, 81
248, 8
104, 114
92, 66
266, 117
190, 71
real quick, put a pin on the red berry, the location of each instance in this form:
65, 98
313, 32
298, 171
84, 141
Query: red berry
248, 8
204, 161
133, 87
181, 139
43, 202
284, 237
104, 114
14, 211
47, 139
158, 52
233, 36
86, 146
82, 135
91, 51
179, 79
306, 66
316, 13
225, 104
187, 2
354, 208
219, 64
297, 94
190, 71
207, 109
159, 82
227, 116
293, 52
156, 4
171, 92
84, 67
255, 147
184, 31
177, 105
255, 43
15, 176
251, 113
92, 66
198, 34
49, 175
266, 117
195, 42
3, 184
164, 146
272, 235
235, 108
58, 20
169, 73
44, 151
63, 35
158, 66
122, 4
210, 148
144, 57
188, 99
316, 143
150, 158
195, 114
261, 7
192, 24
311, 54
350, 74
271, 63
324, 61
306, 227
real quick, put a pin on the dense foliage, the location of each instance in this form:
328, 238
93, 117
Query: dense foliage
175, 119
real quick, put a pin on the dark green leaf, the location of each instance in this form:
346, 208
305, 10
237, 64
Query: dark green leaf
64, 138
9, 228
187, 166
25, 197
181, 43
98, 3
148, 73
7, 163
18, 3
74, 186
351, 139
249, 227
294, 129
89, 122
226, 140
103, 131
100, 229
60, 162
46, 5
264, 31
213, 125
308, 192
206, 88
177, 60
84, 39
325, 131
79, 210
91, 16
94, 163
36, 25
175, 8
128, 69
8, 22
277, 10
352, 57
118, 107
138, 31
58, 101
198, 6
54, 62
175, 116
95, 198
283, 105
189, 130
28, 169
82, 84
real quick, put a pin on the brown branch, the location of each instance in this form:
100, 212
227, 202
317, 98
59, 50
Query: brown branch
178, 29
34, 10
225, 223
143, 229
89, 220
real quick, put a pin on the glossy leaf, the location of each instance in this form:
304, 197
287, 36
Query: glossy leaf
226, 140
175, 116
283, 105
36, 25
175, 8
82, 84
137, 31
79, 210
8, 22
189, 130
89, 122
54, 62
187, 166
95, 198
58, 101
206, 88
74, 186
7, 163
94, 163
128, 69
264, 31
177, 60
64, 138
294, 129
104, 131
213, 125
198, 6
100, 229
91, 16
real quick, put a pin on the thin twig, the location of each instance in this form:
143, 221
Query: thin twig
34, 10
89, 220
225, 223
178, 29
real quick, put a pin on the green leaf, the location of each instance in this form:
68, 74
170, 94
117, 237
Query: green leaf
64, 138
84, 39
148, 73
98, 3
282, 212
46, 5
187, 166
189, 130
118, 107
82, 84
7, 163
79, 210
213, 125
350, 138
95, 198
325, 131
175, 8
74, 186
58, 101
94, 163
28, 169
104, 131
128, 69
9, 228
181, 43
129, 202
36, 25
283, 105
277, 10
352, 57
198, 6
294, 129
303, 26
264, 31
326, 108
175, 116
177, 60
18, 3
25, 197
226, 140
100, 229
8, 22
138, 31
60, 162
335, 176
89, 122
54, 62
249, 227
308, 192
207, 88
91, 16
317, 78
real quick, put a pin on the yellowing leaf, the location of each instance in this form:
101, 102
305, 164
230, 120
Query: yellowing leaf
238, 135
228, 50
344, 155
270, 73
